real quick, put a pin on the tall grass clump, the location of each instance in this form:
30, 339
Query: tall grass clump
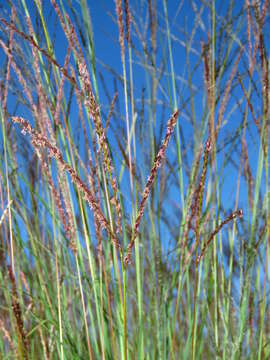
134, 183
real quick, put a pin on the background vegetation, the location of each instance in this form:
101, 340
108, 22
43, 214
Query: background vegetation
134, 181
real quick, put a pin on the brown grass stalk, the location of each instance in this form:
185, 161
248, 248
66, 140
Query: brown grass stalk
31, 40
225, 97
21, 79
248, 173
256, 121
191, 199
16, 308
10, 45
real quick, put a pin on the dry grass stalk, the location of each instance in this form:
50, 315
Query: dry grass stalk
70, 228
256, 121
65, 217
248, 31
6, 334
31, 40
110, 113
248, 173
10, 45
61, 88
16, 308
5, 212
225, 97
190, 200
265, 93
21, 79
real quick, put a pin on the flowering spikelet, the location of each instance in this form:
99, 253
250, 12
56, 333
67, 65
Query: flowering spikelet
234, 215
90, 99
157, 163
119, 12
200, 190
91, 104
127, 12
153, 25
206, 69
21, 79
41, 141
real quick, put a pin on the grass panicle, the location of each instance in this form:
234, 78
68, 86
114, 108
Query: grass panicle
124, 235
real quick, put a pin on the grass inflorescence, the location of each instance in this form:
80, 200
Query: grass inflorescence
134, 195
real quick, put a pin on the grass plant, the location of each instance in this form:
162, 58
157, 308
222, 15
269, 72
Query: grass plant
134, 219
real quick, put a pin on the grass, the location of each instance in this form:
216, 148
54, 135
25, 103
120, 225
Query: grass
134, 217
